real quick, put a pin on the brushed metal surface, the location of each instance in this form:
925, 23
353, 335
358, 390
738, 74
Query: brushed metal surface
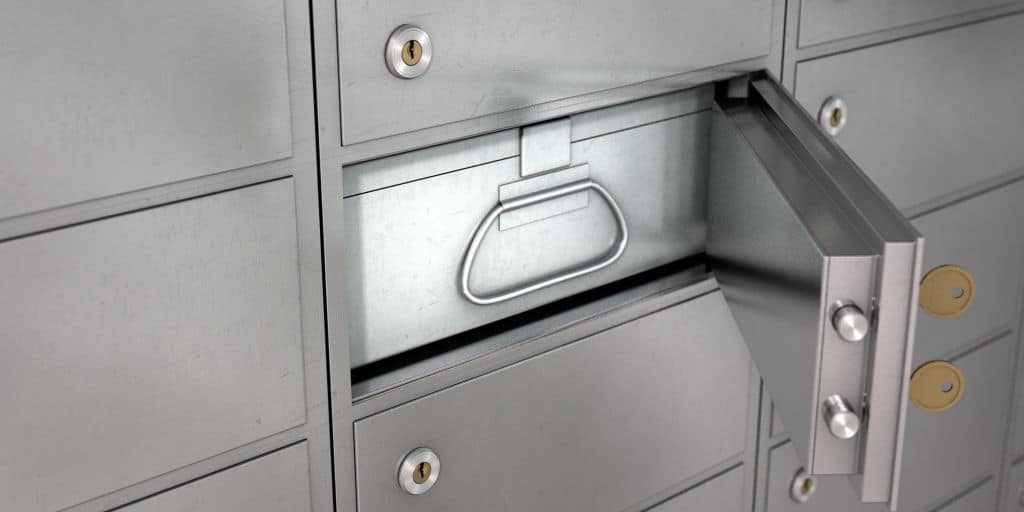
491, 58
946, 453
930, 115
723, 493
570, 429
404, 244
277, 482
1013, 491
984, 235
828, 20
831, 493
545, 146
142, 343
124, 95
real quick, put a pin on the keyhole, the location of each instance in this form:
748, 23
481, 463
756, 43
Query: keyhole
412, 52
421, 473
806, 486
836, 117
957, 293
946, 387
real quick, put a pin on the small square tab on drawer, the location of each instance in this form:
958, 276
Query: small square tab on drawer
545, 146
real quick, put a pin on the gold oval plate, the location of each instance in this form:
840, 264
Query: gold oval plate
936, 386
947, 291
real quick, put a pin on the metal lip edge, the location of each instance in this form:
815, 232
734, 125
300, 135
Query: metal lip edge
361, 151
836, 46
506, 349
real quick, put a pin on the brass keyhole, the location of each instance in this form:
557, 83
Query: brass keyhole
836, 117
421, 473
412, 52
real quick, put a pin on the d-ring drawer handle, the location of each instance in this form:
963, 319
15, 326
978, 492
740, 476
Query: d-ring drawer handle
529, 200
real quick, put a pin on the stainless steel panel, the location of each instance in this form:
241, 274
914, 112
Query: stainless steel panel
947, 452
1013, 491
831, 493
931, 115
146, 342
828, 20
981, 499
985, 235
545, 146
724, 493
405, 243
105, 98
278, 482
599, 424
491, 58
794, 228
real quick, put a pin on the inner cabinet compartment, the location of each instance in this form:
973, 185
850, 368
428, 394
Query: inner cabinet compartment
818, 268
406, 241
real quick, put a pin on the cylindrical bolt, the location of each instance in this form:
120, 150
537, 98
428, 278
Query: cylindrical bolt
842, 421
850, 323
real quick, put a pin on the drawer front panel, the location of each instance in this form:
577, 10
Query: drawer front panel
278, 482
828, 20
405, 243
985, 236
931, 115
127, 95
146, 342
946, 452
599, 424
489, 58
724, 493
831, 493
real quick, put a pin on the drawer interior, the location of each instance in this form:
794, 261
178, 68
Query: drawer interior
409, 217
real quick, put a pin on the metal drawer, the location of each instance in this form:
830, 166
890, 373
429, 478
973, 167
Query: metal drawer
828, 20
723, 493
278, 482
136, 353
797, 237
982, 235
115, 101
489, 58
1013, 495
825, 494
405, 244
945, 453
599, 424
928, 116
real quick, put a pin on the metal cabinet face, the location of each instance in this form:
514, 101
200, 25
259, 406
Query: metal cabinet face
489, 58
984, 235
931, 115
723, 493
947, 452
594, 425
100, 99
127, 352
277, 482
828, 20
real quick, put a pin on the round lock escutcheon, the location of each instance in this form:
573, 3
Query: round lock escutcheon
833, 115
936, 386
802, 487
947, 291
418, 471
408, 52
